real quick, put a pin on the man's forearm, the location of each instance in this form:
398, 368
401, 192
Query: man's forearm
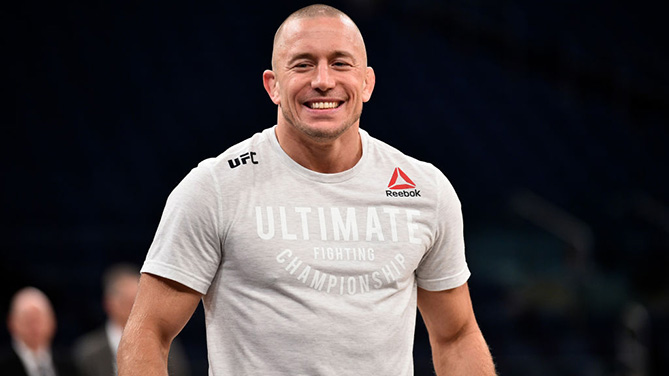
141, 354
467, 355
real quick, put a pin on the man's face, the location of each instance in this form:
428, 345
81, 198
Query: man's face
33, 323
320, 76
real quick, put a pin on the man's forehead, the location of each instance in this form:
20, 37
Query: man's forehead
32, 304
301, 22
301, 29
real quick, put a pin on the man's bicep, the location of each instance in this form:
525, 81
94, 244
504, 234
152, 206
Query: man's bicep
163, 306
447, 314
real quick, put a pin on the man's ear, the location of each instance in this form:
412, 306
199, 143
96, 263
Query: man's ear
368, 84
271, 86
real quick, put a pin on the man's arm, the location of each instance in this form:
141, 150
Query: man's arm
458, 347
161, 309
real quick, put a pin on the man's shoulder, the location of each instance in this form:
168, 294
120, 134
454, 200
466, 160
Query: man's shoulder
398, 163
258, 139
92, 341
243, 152
8, 357
64, 362
392, 154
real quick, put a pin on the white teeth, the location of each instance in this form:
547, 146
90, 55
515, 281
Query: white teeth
322, 105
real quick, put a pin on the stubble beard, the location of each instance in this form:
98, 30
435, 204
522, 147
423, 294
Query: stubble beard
321, 135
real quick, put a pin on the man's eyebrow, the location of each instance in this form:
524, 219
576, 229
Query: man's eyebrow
310, 56
345, 54
300, 56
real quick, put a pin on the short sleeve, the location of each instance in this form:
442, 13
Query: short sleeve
444, 265
187, 247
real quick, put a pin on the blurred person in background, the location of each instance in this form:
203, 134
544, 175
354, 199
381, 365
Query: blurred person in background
32, 325
95, 352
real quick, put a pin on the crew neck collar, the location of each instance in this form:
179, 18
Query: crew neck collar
337, 177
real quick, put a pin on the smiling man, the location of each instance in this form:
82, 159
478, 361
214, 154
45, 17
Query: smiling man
319, 80
318, 265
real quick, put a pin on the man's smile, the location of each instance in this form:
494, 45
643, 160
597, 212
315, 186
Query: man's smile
323, 105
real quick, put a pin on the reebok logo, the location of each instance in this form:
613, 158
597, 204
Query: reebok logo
414, 193
404, 181
400, 181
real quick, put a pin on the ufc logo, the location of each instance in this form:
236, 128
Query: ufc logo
242, 159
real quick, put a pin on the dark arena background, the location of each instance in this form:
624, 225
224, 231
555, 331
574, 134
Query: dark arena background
549, 117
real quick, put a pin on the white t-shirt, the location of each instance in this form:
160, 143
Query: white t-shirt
305, 273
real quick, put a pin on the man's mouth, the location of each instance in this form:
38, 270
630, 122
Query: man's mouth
323, 105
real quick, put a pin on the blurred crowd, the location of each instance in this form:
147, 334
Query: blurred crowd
32, 324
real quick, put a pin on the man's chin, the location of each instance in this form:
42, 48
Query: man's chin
328, 134
323, 131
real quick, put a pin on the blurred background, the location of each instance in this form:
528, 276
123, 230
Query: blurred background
549, 117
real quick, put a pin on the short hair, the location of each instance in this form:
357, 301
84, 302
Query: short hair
114, 273
311, 11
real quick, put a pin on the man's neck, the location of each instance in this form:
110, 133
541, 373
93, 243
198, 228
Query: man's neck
324, 156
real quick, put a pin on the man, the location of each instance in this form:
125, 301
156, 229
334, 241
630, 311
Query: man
32, 325
95, 352
310, 243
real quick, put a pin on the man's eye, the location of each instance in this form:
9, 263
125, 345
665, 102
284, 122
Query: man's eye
342, 65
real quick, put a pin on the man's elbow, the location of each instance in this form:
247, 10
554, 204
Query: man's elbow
141, 350
454, 337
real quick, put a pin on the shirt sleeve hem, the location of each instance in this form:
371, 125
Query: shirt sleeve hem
447, 283
170, 272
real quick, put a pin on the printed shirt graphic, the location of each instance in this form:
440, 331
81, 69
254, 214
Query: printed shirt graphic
307, 273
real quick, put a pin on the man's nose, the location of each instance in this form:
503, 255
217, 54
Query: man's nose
323, 79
